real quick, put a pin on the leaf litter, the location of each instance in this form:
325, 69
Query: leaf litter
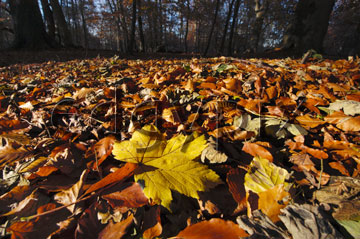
210, 147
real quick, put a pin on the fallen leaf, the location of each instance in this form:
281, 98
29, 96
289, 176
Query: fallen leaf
212, 229
350, 107
116, 230
212, 154
118, 176
71, 195
129, 195
308, 121
309, 222
257, 151
152, 223
166, 165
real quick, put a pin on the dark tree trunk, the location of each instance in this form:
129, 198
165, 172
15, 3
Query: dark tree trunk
187, 24
260, 11
233, 23
84, 25
133, 26
49, 18
212, 27
29, 27
141, 32
61, 23
310, 25
123, 24
226, 26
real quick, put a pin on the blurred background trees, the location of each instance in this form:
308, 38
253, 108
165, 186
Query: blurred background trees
212, 27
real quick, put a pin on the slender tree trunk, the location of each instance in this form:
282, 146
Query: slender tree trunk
113, 10
133, 26
141, 32
29, 27
124, 25
49, 18
233, 23
84, 25
212, 27
226, 26
260, 11
187, 24
73, 12
61, 23
309, 27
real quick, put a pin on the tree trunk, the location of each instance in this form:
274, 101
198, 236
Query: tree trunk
124, 25
212, 27
61, 23
309, 27
187, 24
84, 25
226, 26
49, 18
233, 23
141, 32
260, 11
29, 27
133, 26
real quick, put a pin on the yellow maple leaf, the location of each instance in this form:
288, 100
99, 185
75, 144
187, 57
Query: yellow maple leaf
166, 165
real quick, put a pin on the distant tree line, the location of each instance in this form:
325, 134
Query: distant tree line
208, 27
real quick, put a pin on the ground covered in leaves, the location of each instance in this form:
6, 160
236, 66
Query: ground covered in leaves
196, 148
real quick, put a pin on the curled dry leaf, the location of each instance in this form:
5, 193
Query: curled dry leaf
212, 153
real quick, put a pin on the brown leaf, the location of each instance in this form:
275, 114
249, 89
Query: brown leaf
339, 167
257, 150
308, 121
152, 223
29, 205
213, 229
116, 230
10, 155
103, 149
271, 201
71, 195
119, 175
235, 181
16, 194
88, 225
344, 122
129, 195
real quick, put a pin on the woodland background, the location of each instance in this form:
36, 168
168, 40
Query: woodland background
206, 27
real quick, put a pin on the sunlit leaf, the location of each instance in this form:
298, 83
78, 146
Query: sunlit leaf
212, 229
166, 165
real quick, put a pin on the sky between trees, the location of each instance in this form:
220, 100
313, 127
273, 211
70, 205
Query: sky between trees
208, 27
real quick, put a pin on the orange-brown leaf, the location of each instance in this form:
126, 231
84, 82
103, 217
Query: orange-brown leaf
308, 121
129, 195
257, 151
235, 181
119, 175
213, 229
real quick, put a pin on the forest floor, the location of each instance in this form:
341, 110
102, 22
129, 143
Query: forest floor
177, 146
